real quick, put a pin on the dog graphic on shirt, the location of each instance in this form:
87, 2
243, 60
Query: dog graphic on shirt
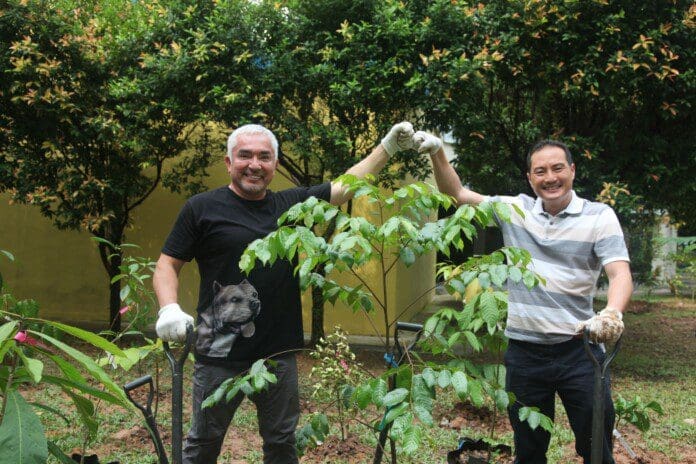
232, 314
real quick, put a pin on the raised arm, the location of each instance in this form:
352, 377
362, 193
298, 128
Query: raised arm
446, 177
399, 138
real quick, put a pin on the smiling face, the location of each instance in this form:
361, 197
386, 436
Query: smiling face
252, 166
551, 178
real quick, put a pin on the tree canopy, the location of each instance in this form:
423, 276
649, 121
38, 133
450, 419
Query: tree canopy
96, 96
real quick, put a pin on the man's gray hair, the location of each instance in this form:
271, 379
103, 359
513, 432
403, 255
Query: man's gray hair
249, 129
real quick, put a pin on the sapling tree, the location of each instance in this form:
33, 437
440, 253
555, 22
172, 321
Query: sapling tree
400, 230
335, 374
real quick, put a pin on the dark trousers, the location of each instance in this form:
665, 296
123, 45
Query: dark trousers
535, 373
277, 410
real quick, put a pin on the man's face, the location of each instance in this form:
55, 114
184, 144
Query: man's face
552, 178
252, 166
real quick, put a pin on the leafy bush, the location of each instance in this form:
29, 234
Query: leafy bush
27, 344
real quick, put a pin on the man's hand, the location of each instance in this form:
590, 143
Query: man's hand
607, 326
426, 143
399, 138
172, 322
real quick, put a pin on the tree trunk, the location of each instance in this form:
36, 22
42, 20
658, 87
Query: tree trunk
115, 292
318, 296
317, 315
111, 258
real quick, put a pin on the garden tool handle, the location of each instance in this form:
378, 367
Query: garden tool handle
147, 413
137, 383
598, 396
173, 361
177, 366
406, 327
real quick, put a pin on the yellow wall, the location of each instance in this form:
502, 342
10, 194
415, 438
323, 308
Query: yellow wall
63, 272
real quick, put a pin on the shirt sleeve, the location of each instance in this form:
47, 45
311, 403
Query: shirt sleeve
181, 241
609, 243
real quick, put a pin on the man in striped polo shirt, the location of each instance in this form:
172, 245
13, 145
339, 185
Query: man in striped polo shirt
570, 239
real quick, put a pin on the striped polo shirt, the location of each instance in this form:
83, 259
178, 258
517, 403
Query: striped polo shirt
568, 250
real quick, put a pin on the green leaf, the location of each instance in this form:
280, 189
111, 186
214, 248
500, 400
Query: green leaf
89, 337
489, 309
422, 400
34, 366
460, 384
533, 420
499, 274
22, 438
444, 379
428, 375
502, 400
85, 409
407, 256
125, 291
430, 325
90, 365
473, 340
379, 389
395, 412
6, 330
83, 387
528, 278
411, 440
394, 397
58, 454
502, 210
363, 395
515, 274
484, 279
476, 393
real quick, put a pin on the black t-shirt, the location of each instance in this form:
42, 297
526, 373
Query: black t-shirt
214, 228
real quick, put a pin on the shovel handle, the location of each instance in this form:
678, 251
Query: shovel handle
137, 383
598, 395
146, 409
177, 365
406, 327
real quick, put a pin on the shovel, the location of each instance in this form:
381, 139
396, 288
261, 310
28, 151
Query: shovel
177, 366
394, 360
598, 398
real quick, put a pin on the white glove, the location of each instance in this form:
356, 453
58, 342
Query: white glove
399, 138
172, 322
426, 143
607, 326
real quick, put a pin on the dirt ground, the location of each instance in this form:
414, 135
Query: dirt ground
242, 441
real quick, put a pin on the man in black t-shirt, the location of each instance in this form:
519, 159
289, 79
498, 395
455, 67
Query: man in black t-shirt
261, 313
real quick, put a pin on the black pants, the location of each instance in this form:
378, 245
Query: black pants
277, 410
535, 373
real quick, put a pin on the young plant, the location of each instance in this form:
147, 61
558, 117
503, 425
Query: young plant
636, 412
336, 374
403, 233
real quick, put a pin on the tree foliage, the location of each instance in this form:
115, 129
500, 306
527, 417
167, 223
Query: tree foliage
403, 233
613, 79
94, 103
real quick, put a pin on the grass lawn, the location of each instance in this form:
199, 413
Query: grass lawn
656, 362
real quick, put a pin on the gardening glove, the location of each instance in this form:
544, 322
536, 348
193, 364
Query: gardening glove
606, 326
172, 323
426, 143
399, 138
